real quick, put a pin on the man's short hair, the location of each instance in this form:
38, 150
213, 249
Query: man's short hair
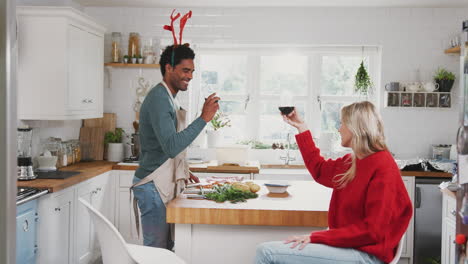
174, 55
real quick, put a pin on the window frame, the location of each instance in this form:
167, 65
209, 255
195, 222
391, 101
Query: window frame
314, 98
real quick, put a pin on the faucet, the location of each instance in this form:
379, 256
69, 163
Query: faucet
288, 157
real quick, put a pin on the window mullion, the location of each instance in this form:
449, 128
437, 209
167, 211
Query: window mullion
314, 91
253, 113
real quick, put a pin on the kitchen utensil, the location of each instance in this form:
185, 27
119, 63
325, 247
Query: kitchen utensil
277, 186
441, 151
392, 86
24, 149
47, 163
430, 86
413, 87
92, 142
108, 122
136, 126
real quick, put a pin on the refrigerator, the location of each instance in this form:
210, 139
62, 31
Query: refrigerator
462, 148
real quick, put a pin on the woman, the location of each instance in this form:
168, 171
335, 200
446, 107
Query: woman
369, 209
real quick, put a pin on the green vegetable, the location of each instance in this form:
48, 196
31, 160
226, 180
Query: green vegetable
114, 137
220, 120
443, 74
362, 82
228, 193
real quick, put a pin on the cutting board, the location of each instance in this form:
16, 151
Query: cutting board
107, 122
92, 142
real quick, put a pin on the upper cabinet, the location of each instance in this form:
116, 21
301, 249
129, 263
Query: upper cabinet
60, 71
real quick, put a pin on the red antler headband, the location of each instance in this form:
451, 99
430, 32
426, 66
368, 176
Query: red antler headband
183, 21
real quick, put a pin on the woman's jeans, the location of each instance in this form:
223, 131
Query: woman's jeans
156, 232
277, 252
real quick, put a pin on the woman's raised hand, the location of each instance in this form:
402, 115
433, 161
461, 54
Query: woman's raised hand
295, 120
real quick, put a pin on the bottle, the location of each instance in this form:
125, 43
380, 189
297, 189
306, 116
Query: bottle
116, 52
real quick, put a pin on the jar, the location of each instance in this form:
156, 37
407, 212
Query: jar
69, 151
133, 45
148, 55
116, 51
63, 154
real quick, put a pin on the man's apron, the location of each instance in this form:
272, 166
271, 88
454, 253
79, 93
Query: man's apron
170, 177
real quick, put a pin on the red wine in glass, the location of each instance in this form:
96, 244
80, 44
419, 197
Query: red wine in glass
286, 110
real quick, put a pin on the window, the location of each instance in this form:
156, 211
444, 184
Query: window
254, 82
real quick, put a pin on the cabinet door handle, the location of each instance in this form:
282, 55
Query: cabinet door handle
84, 101
454, 212
417, 202
98, 189
94, 192
90, 101
57, 209
25, 226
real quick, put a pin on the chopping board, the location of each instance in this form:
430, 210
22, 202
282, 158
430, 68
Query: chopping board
92, 142
108, 122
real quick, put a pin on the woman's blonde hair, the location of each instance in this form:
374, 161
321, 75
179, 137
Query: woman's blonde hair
367, 131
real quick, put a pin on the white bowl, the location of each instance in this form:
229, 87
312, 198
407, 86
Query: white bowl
277, 187
47, 163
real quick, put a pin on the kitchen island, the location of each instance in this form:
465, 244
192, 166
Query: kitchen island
209, 232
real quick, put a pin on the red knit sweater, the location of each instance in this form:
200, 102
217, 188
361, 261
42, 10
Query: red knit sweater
372, 212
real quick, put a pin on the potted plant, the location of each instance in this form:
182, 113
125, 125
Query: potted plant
134, 59
115, 147
362, 84
125, 59
140, 59
444, 79
219, 121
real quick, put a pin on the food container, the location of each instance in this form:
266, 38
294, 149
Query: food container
236, 154
441, 151
133, 45
277, 186
116, 51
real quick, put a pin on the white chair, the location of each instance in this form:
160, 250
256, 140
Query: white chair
116, 251
398, 252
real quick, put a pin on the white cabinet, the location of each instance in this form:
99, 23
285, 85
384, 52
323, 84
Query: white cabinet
55, 228
60, 64
407, 251
94, 192
125, 216
448, 229
66, 233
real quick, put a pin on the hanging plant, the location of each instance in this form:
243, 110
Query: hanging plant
363, 83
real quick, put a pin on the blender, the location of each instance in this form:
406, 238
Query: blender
24, 146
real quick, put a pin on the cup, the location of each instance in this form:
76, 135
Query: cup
392, 86
430, 87
413, 87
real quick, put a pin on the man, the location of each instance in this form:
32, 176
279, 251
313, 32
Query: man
164, 138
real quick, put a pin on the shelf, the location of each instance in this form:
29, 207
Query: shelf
454, 50
130, 65
428, 100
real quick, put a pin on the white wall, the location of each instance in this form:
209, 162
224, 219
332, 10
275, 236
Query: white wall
411, 38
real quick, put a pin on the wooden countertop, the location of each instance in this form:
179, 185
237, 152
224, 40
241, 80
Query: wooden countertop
88, 170
305, 204
204, 169
91, 169
449, 193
